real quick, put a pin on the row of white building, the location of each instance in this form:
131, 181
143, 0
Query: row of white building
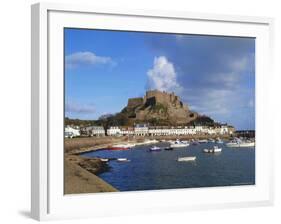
142, 130
145, 130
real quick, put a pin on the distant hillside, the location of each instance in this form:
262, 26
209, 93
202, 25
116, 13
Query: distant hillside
78, 122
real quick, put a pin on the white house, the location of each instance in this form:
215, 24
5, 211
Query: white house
199, 129
224, 130
141, 129
114, 130
158, 130
93, 131
127, 131
70, 132
164, 130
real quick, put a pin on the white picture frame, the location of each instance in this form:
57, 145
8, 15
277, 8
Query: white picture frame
48, 201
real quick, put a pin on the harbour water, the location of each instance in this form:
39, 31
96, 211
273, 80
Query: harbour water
161, 170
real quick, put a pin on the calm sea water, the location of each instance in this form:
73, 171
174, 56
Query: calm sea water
161, 170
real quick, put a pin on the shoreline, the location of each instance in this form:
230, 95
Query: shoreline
77, 146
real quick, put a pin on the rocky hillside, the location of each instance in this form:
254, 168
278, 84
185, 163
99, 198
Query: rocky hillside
158, 108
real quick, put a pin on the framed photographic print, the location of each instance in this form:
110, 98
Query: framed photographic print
148, 111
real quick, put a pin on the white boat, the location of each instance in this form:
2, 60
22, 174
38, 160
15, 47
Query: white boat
155, 148
237, 143
123, 160
213, 150
247, 144
186, 159
179, 144
240, 145
104, 159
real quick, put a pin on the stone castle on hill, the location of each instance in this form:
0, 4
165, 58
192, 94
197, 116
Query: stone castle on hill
160, 107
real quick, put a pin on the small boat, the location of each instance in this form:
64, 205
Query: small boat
240, 145
232, 144
123, 160
213, 150
247, 144
186, 159
237, 143
178, 144
104, 159
155, 149
168, 148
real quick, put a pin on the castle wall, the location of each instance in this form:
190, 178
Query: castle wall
134, 102
161, 97
140, 115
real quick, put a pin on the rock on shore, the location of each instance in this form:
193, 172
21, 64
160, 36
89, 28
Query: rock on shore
79, 176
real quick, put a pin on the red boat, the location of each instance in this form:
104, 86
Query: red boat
119, 147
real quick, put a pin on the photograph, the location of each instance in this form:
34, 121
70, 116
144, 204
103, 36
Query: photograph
157, 111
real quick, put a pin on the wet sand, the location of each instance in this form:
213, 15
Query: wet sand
80, 179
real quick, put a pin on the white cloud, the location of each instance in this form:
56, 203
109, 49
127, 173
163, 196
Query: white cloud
209, 101
79, 108
223, 81
244, 63
163, 76
86, 58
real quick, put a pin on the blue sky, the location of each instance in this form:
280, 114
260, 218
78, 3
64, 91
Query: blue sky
214, 75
